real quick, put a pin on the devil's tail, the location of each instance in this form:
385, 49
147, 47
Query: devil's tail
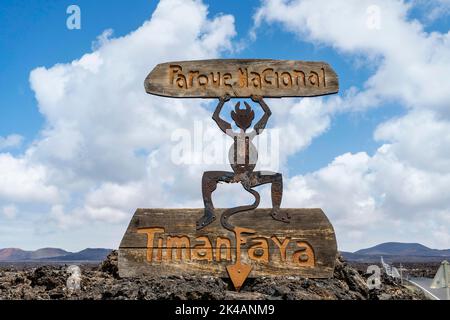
229, 212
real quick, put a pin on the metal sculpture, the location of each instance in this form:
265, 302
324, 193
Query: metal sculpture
168, 241
243, 156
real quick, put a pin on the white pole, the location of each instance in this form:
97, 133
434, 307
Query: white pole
401, 273
446, 277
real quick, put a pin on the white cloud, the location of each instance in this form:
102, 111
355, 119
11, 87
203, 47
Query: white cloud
109, 145
342, 189
23, 181
102, 126
398, 193
420, 139
105, 148
379, 197
10, 141
411, 63
98, 114
9, 211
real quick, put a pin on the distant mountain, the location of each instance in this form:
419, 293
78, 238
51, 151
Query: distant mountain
403, 249
52, 254
15, 254
96, 254
47, 253
398, 252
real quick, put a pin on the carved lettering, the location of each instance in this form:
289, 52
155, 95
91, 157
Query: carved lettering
166, 241
323, 77
241, 78
259, 251
245, 78
268, 76
304, 256
314, 78
173, 70
256, 248
226, 77
256, 79
159, 250
150, 232
282, 246
203, 251
299, 78
192, 74
223, 242
286, 79
181, 81
202, 80
181, 244
215, 80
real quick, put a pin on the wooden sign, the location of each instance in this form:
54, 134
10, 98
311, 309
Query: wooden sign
242, 78
166, 242
240, 243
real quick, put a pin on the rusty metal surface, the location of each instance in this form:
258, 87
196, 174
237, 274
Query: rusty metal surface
243, 157
239, 271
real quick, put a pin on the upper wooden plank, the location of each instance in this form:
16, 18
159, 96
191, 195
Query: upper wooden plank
242, 78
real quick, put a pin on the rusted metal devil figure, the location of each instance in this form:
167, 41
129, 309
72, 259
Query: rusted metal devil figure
243, 156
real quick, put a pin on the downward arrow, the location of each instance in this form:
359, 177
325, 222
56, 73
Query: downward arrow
238, 272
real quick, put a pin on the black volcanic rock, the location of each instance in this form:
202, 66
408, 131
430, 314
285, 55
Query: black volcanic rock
101, 282
111, 265
48, 277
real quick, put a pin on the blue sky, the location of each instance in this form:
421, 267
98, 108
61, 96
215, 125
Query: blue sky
353, 128
34, 34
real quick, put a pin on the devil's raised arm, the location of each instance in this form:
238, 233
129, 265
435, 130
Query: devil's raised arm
223, 125
261, 124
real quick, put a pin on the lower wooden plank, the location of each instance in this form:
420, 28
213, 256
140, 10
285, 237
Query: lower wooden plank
133, 263
165, 242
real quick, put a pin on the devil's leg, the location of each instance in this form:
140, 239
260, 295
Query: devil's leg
276, 179
277, 194
209, 184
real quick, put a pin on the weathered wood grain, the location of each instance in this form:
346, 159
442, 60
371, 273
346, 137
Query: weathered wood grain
241, 78
308, 228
